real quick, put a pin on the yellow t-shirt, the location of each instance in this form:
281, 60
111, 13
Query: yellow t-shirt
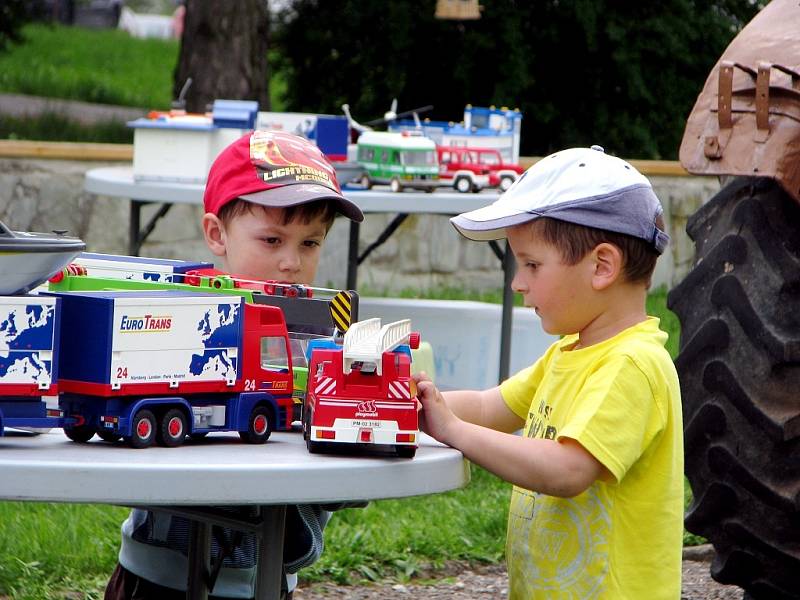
620, 538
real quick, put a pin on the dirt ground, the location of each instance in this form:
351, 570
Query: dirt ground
460, 582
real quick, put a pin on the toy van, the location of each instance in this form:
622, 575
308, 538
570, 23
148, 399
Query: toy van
401, 160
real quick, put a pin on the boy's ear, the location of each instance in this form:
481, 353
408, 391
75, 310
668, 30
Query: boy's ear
607, 262
214, 232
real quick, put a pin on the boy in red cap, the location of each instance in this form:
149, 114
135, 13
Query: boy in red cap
270, 200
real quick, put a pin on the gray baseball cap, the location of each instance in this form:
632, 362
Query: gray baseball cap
584, 186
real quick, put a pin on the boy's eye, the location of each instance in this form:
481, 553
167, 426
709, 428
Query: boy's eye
311, 243
531, 265
272, 240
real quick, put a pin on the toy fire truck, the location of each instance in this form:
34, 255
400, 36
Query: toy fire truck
360, 393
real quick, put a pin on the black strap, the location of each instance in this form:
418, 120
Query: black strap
226, 549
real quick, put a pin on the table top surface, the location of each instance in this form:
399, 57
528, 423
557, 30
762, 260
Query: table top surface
216, 470
119, 182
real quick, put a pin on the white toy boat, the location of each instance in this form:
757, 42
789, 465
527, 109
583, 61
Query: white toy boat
29, 259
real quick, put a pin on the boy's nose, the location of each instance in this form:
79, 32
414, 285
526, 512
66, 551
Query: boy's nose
517, 285
290, 261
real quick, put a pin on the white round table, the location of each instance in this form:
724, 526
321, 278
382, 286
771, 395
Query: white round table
218, 471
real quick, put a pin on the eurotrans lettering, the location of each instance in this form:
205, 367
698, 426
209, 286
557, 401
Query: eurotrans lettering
146, 323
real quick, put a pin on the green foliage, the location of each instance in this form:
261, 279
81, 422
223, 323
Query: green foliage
47, 549
13, 13
623, 75
103, 66
55, 127
657, 307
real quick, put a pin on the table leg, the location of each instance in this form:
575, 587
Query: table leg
508, 313
199, 560
269, 570
134, 241
352, 256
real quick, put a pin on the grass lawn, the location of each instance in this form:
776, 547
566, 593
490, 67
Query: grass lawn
92, 65
103, 66
47, 550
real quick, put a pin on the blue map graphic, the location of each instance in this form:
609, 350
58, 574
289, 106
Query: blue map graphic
219, 330
25, 330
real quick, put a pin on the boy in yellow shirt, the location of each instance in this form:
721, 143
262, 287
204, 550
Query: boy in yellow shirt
597, 504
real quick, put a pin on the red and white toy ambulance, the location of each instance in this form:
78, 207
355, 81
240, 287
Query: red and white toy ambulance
361, 393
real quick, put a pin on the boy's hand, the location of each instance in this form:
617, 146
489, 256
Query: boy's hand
435, 418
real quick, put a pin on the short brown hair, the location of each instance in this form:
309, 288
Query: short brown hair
576, 241
305, 212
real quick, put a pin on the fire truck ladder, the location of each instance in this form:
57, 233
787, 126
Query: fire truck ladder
366, 341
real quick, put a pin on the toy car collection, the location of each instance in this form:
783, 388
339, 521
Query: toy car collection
183, 351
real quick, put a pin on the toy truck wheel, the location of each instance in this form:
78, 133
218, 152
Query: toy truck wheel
405, 451
107, 435
506, 182
172, 430
143, 429
365, 182
259, 426
462, 184
80, 434
395, 185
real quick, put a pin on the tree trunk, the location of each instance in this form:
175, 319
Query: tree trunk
224, 52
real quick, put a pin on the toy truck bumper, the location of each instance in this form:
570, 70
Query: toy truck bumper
365, 431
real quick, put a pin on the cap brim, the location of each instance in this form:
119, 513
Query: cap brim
488, 223
302, 193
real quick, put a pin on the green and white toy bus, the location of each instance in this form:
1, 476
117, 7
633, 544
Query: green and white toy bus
402, 160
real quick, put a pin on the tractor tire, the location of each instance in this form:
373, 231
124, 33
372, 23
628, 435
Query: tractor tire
739, 366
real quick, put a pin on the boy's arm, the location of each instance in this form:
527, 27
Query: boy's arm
555, 468
486, 408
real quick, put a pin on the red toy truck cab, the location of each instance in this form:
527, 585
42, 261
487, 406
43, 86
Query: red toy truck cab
361, 393
472, 169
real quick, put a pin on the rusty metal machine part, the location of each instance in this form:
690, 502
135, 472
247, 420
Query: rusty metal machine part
746, 121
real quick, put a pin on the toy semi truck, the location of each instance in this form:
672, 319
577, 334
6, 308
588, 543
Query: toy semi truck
29, 334
306, 316
156, 366
361, 393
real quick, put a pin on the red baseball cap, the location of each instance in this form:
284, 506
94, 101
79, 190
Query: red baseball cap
275, 169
